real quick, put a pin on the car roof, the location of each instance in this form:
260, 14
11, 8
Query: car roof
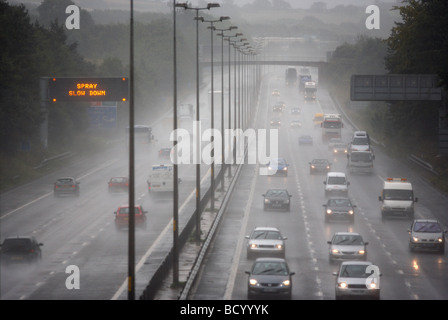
320, 160
356, 262
346, 233
268, 259
266, 228
127, 206
426, 220
19, 237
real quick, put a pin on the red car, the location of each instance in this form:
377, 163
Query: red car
118, 184
122, 217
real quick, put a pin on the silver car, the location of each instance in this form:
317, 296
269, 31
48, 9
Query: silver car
357, 279
347, 246
266, 241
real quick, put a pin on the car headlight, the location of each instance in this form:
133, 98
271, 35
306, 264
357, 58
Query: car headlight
415, 239
285, 168
253, 246
279, 246
342, 285
267, 201
371, 285
269, 168
286, 283
334, 251
313, 167
361, 252
329, 211
440, 239
253, 282
350, 211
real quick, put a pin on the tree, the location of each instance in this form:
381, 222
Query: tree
419, 44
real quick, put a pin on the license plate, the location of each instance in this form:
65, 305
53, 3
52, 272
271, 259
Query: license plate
269, 290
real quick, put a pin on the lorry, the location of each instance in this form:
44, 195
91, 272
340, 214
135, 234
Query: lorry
331, 126
310, 90
303, 78
290, 76
397, 198
360, 161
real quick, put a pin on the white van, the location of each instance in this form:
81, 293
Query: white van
160, 179
397, 198
336, 183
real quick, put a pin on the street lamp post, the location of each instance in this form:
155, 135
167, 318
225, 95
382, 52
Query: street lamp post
222, 100
212, 168
196, 156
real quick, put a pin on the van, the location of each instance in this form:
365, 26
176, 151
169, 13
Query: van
336, 183
360, 161
397, 198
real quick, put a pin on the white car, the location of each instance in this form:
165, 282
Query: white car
336, 183
357, 279
426, 234
347, 246
266, 241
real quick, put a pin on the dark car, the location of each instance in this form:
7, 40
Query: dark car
277, 199
66, 185
320, 165
122, 217
165, 153
269, 277
20, 250
339, 208
295, 111
306, 139
118, 184
278, 107
276, 122
278, 167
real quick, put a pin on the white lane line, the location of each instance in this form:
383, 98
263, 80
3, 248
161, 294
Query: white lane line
143, 259
50, 193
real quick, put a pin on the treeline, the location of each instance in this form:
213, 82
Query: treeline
417, 45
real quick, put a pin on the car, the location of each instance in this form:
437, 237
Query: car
269, 277
277, 166
276, 92
333, 141
66, 185
360, 142
347, 246
165, 153
295, 111
20, 249
296, 124
426, 234
118, 184
276, 122
265, 241
336, 183
277, 199
122, 217
357, 279
320, 165
278, 107
305, 139
339, 148
339, 208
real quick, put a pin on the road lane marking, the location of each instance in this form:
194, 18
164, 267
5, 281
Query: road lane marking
49, 193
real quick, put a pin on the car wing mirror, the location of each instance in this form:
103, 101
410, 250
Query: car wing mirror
329, 242
366, 243
292, 273
247, 237
247, 272
335, 273
416, 199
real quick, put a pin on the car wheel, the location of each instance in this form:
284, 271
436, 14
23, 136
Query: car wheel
442, 249
411, 248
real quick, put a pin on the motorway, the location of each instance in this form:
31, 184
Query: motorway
405, 275
80, 231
